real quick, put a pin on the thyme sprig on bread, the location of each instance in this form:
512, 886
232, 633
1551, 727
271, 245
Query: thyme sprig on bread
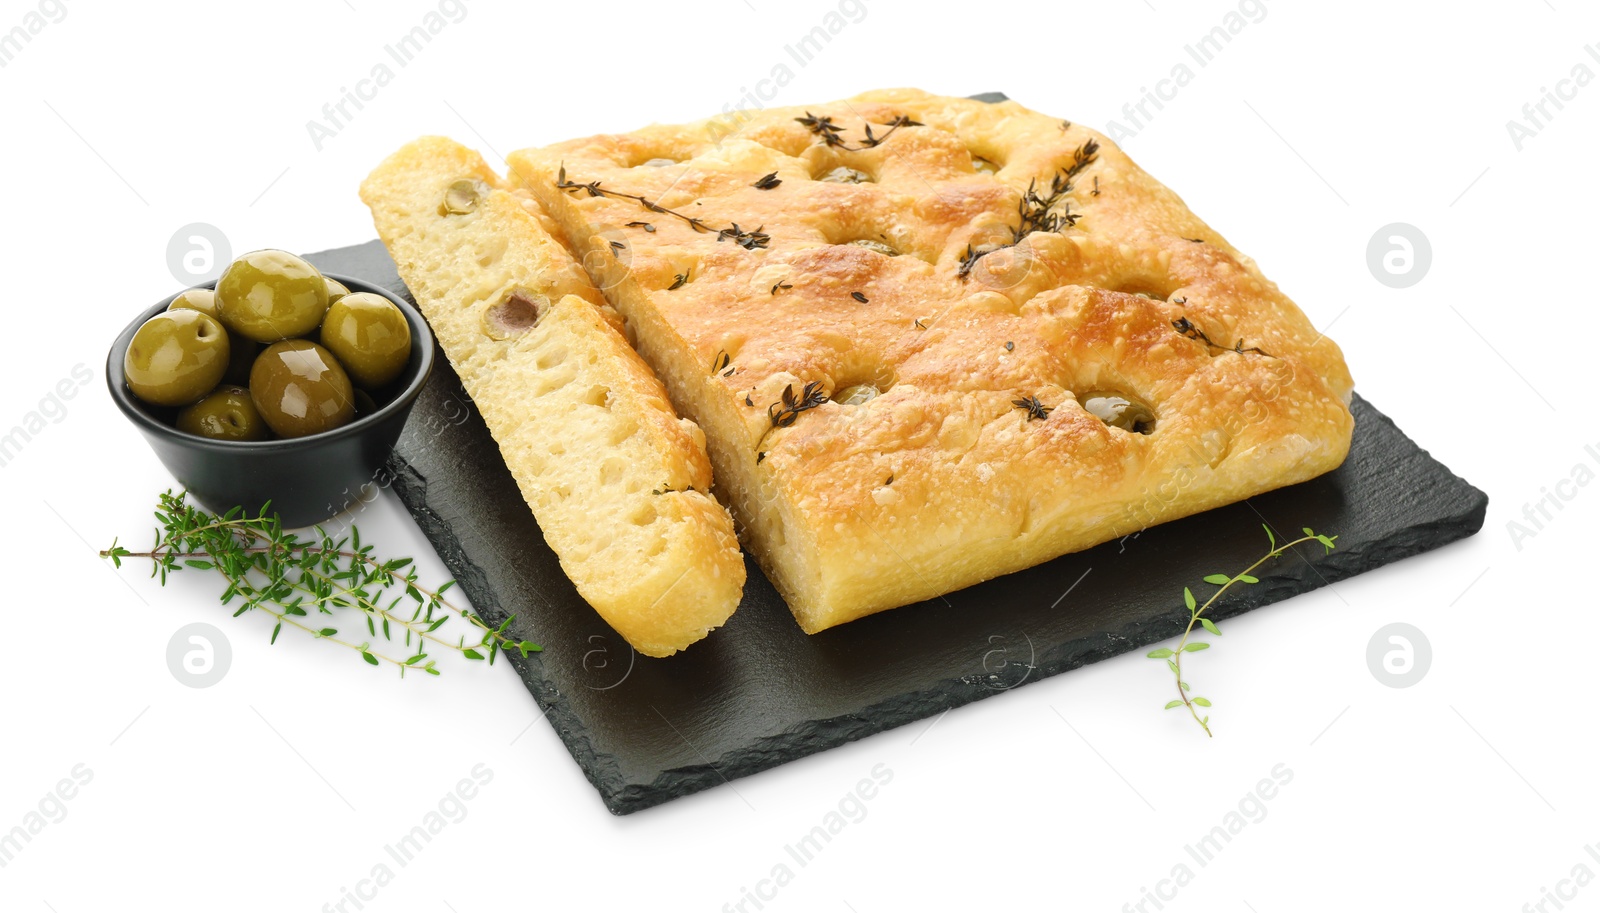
833, 135
1037, 210
749, 239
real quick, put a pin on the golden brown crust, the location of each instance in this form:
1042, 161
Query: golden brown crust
942, 480
619, 484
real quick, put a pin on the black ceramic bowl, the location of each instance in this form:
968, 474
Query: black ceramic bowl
307, 479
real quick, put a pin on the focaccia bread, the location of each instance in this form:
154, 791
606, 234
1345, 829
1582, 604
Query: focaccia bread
619, 484
933, 340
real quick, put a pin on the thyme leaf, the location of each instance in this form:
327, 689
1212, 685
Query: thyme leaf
784, 412
1034, 408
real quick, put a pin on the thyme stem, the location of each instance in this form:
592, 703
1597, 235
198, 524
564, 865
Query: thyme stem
749, 240
1197, 615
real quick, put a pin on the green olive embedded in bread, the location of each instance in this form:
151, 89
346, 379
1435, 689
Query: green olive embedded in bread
461, 197
845, 175
856, 394
1120, 411
876, 247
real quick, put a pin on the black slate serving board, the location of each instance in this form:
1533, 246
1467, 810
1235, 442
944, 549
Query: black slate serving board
758, 692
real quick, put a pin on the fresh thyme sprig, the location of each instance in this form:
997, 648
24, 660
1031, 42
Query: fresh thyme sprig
1036, 211
749, 240
1197, 615
287, 577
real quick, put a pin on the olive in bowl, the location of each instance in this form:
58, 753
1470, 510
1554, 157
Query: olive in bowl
369, 336
176, 357
307, 479
268, 295
336, 290
299, 388
241, 350
225, 414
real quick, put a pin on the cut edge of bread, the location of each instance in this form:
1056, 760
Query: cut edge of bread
620, 486
782, 544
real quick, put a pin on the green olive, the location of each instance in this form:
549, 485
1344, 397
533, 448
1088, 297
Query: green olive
336, 289
270, 295
299, 388
176, 358
844, 175
241, 349
226, 414
369, 336
1120, 411
856, 395
461, 197
203, 300
876, 247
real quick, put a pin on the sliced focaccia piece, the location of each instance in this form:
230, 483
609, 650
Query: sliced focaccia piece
620, 486
933, 340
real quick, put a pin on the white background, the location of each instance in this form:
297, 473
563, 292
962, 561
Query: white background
278, 787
